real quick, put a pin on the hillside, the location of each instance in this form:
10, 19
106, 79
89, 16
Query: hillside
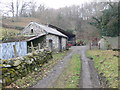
10, 28
18, 23
85, 32
6, 31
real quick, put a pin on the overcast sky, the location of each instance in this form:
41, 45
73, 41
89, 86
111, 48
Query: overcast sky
59, 3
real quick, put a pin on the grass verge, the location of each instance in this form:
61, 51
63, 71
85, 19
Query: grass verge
35, 76
71, 75
106, 63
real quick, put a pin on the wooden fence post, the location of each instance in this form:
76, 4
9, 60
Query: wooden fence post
15, 51
32, 47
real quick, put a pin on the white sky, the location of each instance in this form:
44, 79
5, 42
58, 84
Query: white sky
59, 3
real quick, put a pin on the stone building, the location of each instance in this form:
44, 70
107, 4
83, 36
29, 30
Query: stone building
106, 43
45, 36
71, 36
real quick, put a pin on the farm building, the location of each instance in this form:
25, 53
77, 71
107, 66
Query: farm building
71, 37
35, 35
19, 46
109, 43
45, 36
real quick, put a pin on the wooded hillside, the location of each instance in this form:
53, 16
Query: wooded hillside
103, 17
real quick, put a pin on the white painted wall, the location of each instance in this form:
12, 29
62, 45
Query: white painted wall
7, 51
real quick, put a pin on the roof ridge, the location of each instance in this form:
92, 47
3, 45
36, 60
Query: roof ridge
49, 29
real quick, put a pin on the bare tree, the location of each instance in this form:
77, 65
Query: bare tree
33, 9
11, 7
17, 8
24, 10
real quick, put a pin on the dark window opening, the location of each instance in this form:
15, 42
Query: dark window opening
50, 44
31, 30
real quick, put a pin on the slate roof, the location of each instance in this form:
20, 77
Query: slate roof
47, 29
62, 31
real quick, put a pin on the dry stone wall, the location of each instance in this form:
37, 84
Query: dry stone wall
16, 68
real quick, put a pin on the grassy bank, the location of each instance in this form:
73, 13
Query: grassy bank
4, 32
106, 63
35, 76
71, 74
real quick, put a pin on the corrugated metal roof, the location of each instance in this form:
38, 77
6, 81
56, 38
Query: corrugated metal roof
48, 29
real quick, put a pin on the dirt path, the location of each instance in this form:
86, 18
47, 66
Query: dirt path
88, 73
89, 77
52, 76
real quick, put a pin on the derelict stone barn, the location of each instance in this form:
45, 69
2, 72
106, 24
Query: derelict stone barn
71, 36
45, 36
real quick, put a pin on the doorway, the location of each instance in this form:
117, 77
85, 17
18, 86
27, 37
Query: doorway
50, 44
60, 43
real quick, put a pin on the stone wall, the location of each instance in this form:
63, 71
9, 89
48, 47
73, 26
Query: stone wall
7, 50
16, 68
55, 42
64, 43
33, 29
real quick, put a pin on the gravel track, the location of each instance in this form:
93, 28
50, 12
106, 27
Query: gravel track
88, 77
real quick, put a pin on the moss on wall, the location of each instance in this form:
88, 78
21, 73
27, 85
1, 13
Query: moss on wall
16, 68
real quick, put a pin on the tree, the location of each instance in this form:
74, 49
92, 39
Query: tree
24, 10
11, 8
33, 9
108, 22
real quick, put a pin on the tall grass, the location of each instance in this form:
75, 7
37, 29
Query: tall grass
106, 63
